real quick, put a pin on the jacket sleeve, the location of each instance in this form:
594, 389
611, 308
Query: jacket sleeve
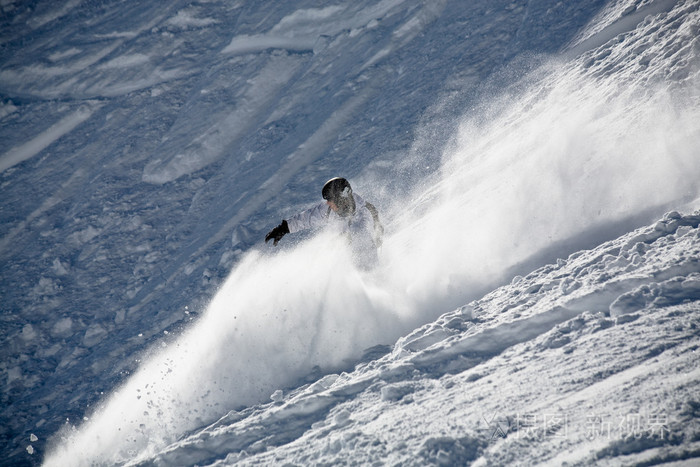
378, 227
309, 219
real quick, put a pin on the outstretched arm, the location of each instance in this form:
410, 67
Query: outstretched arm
309, 219
378, 227
277, 233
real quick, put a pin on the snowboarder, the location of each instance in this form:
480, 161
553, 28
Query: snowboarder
345, 211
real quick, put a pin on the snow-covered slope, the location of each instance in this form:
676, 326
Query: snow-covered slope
146, 148
589, 360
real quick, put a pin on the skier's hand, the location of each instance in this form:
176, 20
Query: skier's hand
277, 233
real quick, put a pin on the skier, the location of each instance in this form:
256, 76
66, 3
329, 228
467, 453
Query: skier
345, 211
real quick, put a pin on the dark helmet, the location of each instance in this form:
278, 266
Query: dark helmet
338, 191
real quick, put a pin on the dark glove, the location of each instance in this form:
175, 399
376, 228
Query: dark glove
277, 233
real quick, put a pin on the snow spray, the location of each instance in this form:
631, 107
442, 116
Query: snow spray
275, 319
565, 159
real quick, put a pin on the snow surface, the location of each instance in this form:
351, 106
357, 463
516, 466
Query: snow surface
147, 148
516, 377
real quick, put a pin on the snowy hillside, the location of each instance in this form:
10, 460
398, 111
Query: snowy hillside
147, 147
589, 360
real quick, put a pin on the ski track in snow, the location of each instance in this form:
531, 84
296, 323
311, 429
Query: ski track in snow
136, 149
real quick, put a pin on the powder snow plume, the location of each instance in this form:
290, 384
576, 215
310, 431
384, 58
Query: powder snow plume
568, 156
573, 149
581, 158
274, 319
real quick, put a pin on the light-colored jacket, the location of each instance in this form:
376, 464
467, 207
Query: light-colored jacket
359, 228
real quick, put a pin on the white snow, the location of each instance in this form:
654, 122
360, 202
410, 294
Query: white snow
519, 380
537, 297
37, 144
250, 44
125, 61
6, 108
301, 30
212, 144
186, 18
63, 327
42, 18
